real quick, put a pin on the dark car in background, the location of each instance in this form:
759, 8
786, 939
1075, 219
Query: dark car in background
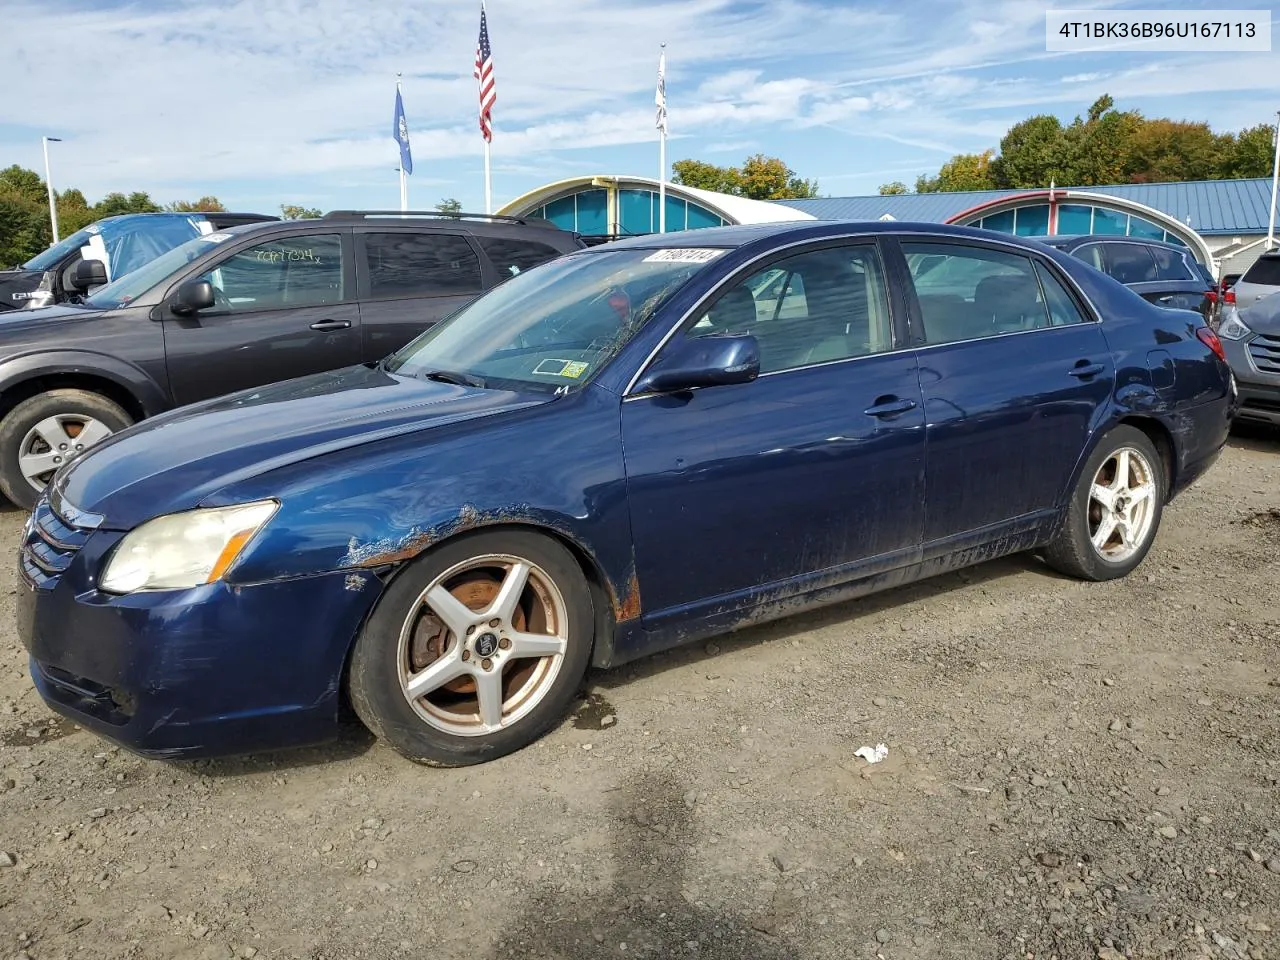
629, 448
239, 308
1165, 274
109, 248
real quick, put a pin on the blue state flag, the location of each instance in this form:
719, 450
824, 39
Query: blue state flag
400, 131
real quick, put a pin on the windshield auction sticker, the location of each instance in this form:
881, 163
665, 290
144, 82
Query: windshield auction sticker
685, 255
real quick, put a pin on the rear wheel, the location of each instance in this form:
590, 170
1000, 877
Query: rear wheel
47, 431
475, 650
1114, 511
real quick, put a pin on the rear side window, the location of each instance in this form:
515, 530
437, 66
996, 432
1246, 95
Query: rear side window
420, 265
1062, 309
1265, 270
1090, 253
966, 293
1171, 265
510, 257
1130, 263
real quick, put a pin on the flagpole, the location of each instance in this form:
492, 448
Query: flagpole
488, 184
1275, 180
662, 144
404, 180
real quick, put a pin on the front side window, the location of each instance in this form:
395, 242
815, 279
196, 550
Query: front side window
1130, 263
556, 326
510, 257
815, 307
288, 272
966, 293
420, 265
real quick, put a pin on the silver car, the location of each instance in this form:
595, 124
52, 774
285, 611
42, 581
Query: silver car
1251, 338
1260, 280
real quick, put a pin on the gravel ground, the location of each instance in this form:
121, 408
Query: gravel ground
1075, 770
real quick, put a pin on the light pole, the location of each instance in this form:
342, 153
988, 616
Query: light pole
1275, 182
48, 182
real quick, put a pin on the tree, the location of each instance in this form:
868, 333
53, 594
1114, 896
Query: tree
707, 176
292, 211
450, 206
892, 189
1030, 153
1172, 150
205, 204
19, 181
760, 178
964, 171
114, 204
1250, 153
74, 212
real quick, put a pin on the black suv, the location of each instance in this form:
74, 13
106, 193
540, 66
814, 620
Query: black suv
242, 307
1163, 273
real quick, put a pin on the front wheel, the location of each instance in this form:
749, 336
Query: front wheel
1114, 511
475, 650
44, 432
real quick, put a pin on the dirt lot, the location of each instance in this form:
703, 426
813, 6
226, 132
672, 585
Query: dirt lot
1075, 771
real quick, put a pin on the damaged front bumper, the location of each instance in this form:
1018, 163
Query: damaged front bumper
218, 669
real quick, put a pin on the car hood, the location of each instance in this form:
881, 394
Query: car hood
1263, 316
178, 459
19, 319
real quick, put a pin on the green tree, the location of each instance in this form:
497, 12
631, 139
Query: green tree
205, 204
1249, 153
892, 189
293, 211
74, 212
707, 176
450, 206
1098, 149
114, 204
22, 182
1172, 150
964, 171
25, 229
1030, 153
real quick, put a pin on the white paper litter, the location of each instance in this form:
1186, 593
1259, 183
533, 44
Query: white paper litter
872, 754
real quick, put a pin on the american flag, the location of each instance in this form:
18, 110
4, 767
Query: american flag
484, 74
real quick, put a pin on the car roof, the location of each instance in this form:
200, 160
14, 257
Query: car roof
426, 221
1065, 240
797, 230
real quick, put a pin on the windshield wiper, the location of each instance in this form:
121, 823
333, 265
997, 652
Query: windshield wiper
451, 376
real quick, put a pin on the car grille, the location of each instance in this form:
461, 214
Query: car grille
49, 545
1266, 353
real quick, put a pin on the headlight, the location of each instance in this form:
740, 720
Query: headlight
1232, 327
184, 550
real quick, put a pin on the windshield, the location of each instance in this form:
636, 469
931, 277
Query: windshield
119, 293
51, 257
553, 326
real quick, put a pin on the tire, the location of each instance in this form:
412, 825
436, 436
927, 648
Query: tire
22, 444
1074, 551
408, 639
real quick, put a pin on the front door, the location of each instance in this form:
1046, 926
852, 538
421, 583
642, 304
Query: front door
1014, 378
815, 466
283, 308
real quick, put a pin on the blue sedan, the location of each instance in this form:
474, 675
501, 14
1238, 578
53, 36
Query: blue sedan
623, 450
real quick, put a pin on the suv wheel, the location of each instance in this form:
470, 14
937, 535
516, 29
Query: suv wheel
46, 431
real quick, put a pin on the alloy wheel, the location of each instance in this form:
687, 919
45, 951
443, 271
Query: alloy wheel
1122, 505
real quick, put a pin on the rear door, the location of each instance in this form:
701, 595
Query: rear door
411, 280
283, 308
1013, 376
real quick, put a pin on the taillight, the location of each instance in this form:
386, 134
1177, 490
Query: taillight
1211, 296
1210, 340
1229, 297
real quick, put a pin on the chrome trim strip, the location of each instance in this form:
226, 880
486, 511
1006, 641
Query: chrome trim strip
1094, 316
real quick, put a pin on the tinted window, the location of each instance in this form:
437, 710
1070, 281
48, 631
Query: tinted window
1090, 253
970, 292
292, 272
1171, 265
510, 257
1130, 263
1062, 309
812, 308
1265, 270
420, 264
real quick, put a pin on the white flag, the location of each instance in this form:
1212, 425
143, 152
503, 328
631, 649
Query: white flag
660, 97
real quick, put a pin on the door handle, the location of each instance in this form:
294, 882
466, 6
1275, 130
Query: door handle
889, 407
331, 325
1084, 369
1166, 298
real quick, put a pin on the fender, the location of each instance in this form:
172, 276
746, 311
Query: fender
136, 382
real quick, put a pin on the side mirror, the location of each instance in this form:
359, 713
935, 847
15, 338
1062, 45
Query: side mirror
89, 273
703, 362
192, 297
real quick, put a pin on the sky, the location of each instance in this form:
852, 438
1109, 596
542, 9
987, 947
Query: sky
263, 102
